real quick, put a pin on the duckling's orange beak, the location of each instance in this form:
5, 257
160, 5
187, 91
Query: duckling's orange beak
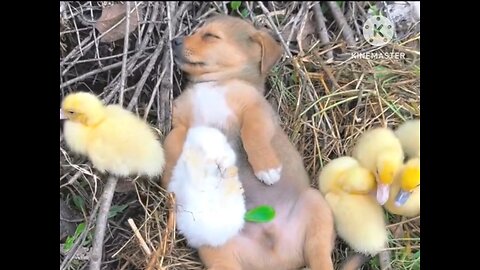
62, 115
383, 191
402, 197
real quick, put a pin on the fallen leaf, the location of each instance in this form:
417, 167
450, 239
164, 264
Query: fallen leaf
235, 4
260, 214
111, 15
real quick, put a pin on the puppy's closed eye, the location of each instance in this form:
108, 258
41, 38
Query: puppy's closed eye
209, 36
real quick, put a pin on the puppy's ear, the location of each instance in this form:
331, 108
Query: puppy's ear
270, 50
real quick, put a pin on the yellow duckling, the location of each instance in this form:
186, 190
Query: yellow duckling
114, 139
409, 135
380, 151
358, 217
405, 191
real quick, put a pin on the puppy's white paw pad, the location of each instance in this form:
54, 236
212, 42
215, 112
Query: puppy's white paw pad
269, 177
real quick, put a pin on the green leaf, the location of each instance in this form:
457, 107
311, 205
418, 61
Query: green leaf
68, 243
416, 261
294, 78
373, 10
78, 202
245, 13
71, 239
260, 214
416, 70
381, 72
235, 4
116, 209
79, 230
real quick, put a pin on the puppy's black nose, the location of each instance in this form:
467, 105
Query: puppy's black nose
178, 41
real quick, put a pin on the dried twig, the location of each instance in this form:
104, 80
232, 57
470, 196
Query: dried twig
101, 224
72, 179
74, 53
91, 73
166, 92
125, 50
322, 28
139, 237
145, 75
342, 22
154, 93
304, 14
275, 28
384, 260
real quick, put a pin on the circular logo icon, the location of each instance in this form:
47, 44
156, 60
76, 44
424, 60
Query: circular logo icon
378, 30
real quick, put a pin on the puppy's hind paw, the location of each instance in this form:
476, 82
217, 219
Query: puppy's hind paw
269, 177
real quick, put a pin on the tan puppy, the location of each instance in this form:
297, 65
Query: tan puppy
225, 93
227, 61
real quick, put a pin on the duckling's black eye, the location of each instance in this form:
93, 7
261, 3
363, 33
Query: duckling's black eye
210, 35
70, 112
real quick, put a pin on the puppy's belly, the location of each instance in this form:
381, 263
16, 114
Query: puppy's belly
210, 106
276, 245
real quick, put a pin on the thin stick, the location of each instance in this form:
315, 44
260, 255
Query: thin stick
384, 259
153, 18
145, 75
329, 73
359, 100
342, 22
76, 28
321, 27
293, 28
73, 179
76, 49
165, 97
110, 56
154, 93
143, 244
101, 224
272, 24
402, 222
91, 73
250, 12
140, 28
125, 50
399, 248
303, 8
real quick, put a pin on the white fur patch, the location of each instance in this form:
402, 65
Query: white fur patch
210, 106
210, 204
270, 176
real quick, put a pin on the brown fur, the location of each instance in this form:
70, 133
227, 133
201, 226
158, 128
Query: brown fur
239, 59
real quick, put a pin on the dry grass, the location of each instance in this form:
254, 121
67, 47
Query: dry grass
324, 106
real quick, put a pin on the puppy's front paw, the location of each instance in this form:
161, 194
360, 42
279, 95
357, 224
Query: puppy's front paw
270, 176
